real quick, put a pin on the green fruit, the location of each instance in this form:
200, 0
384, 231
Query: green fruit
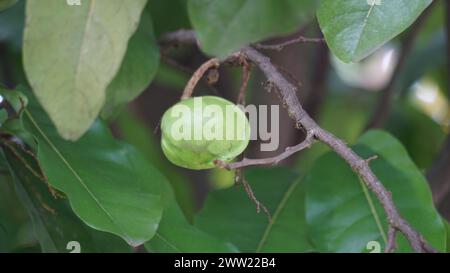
200, 130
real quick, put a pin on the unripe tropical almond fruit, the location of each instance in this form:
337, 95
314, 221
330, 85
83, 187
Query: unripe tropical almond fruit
198, 131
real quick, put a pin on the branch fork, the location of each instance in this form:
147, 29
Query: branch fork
288, 97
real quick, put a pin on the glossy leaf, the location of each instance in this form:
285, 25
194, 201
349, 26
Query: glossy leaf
225, 26
109, 184
14, 220
344, 216
354, 29
231, 215
54, 223
168, 16
176, 235
71, 54
134, 131
138, 68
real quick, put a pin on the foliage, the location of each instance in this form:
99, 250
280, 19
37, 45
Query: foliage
66, 176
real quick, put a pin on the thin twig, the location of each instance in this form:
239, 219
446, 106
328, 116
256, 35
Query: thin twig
251, 196
246, 162
187, 70
360, 166
246, 71
391, 244
297, 40
288, 74
189, 89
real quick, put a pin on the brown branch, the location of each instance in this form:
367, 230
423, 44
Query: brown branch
246, 71
190, 86
171, 62
251, 196
246, 162
384, 104
360, 166
297, 40
391, 244
290, 76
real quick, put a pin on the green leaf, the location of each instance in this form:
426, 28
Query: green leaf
447, 229
110, 185
225, 26
169, 16
134, 131
411, 126
354, 29
71, 54
15, 99
231, 215
13, 216
109, 243
54, 223
4, 4
138, 68
343, 215
176, 235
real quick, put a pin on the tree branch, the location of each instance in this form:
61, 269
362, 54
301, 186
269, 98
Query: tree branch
246, 162
189, 89
391, 244
360, 166
297, 40
246, 71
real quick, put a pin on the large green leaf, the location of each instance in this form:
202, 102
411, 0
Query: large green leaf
134, 131
13, 216
169, 16
4, 4
71, 54
54, 223
176, 235
138, 68
343, 216
225, 26
110, 185
355, 28
231, 215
